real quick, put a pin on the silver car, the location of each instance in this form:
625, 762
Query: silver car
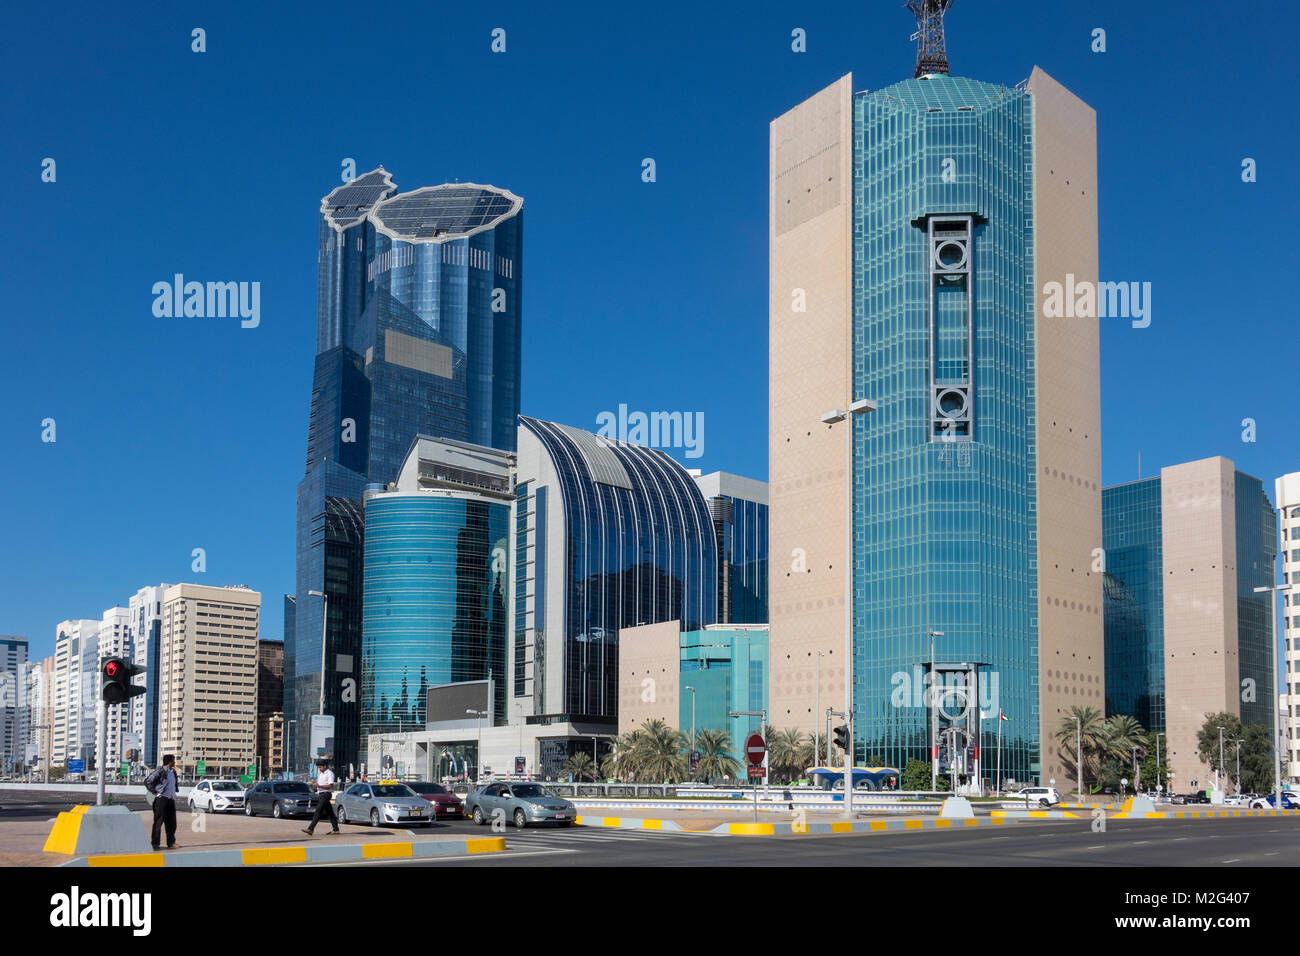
520, 803
381, 803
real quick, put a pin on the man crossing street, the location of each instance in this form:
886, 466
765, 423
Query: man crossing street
324, 803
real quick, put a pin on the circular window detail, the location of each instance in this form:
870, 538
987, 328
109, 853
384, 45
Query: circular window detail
951, 403
950, 255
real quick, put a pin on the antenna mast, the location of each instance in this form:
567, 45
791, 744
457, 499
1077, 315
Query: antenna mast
931, 54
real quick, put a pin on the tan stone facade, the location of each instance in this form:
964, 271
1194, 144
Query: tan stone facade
1198, 511
810, 329
649, 674
207, 685
1071, 631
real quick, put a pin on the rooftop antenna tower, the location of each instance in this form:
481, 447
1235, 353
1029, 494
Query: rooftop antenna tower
931, 54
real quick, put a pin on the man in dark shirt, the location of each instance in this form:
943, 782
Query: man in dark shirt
162, 783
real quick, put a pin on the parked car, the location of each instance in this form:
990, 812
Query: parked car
280, 799
381, 803
442, 801
217, 796
520, 803
1040, 796
1290, 801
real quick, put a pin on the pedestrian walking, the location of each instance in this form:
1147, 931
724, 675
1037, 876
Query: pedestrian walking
162, 783
324, 803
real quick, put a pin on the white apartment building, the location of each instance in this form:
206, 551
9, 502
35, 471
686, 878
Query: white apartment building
40, 713
76, 666
207, 677
1288, 504
114, 641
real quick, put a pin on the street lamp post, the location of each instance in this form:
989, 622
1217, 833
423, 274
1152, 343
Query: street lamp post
1238, 742
478, 761
931, 699
1078, 752
324, 623
859, 407
692, 690
1277, 694
817, 731
1159, 734
1219, 782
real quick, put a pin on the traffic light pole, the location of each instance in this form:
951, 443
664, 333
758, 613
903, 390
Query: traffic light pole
101, 713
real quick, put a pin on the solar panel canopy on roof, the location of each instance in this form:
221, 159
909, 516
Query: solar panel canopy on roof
350, 202
442, 211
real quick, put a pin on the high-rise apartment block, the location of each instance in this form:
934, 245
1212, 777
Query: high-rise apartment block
208, 677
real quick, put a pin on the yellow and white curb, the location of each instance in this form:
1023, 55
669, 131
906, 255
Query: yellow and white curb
627, 823
280, 855
1036, 815
1201, 814
858, 826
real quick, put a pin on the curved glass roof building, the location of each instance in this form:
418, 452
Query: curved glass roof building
608, 535
419, 304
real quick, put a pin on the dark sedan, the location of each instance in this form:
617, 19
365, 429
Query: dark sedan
444, 802
280, 798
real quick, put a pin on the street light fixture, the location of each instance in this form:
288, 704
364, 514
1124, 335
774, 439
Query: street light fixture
858, 407
932, 700
1078, 752
478, 761
1277, 696
1238, 741
324, 623
692, 690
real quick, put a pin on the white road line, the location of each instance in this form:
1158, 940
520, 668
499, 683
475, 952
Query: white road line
513, 854
1099, 846
1237, 860
1140, 842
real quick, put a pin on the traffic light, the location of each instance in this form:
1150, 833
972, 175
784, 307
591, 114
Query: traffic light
841, 738
117, 687
1139, 752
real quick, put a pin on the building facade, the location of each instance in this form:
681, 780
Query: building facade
145, 624
1287, 497
114, 641
40, 715
418, 332
14, 706
738, 507
436, 581
270, 703
910, 229
607, 536
1186, 635
76, 666
208, 677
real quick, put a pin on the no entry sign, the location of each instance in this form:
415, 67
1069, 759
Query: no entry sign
755, 749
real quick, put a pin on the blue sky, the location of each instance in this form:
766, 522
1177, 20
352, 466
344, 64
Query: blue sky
174, 434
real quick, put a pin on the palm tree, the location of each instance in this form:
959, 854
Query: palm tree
581, 766
784, 747
659, 753
1090, 723
716, 755
621, 760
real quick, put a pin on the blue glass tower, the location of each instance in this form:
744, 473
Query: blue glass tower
419, 299
910, 228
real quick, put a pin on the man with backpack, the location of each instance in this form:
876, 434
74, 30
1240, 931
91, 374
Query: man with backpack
162, 783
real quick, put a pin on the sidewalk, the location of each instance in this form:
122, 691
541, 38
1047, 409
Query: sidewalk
21, 841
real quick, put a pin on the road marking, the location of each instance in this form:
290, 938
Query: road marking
513, 854
1140, 842
1099, 846
1238, 860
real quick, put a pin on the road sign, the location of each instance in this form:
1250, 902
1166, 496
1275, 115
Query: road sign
756, 771
252, 769
755, 749
200, 767
695, 761
126, 768
245, 778
76, 766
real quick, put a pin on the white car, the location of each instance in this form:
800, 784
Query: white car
1040, 796
217, 796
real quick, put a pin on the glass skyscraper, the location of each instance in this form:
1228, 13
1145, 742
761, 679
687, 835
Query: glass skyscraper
910, 228
418, 329
738, 507
436, 582
607, 535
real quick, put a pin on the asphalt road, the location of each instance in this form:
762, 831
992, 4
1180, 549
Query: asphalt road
25, 804
1260, 841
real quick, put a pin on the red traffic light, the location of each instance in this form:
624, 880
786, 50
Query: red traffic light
110, 669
